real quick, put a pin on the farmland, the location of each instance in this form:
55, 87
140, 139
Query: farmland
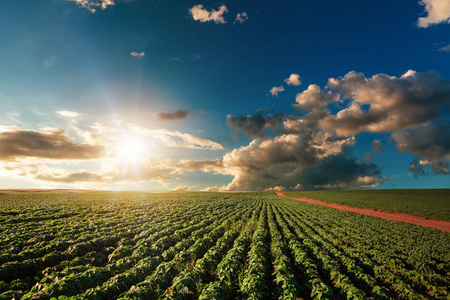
136, 245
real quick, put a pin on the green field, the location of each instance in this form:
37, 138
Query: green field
432, 203
136, 245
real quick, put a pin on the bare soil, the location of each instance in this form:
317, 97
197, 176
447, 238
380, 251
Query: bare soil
432, 223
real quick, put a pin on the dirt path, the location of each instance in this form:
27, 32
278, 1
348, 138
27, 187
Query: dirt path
436, 224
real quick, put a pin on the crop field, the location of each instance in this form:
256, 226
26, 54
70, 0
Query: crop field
136, 245
429, 203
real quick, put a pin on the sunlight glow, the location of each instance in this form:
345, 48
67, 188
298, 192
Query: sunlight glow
131, 150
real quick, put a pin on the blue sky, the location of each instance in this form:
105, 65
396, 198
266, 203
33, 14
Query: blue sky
165, 95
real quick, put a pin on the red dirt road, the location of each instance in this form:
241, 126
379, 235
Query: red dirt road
436, 224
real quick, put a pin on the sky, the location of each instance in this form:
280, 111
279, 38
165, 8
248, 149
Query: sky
230, 95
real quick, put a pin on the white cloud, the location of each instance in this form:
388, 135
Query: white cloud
50, 61
176, 59
137, 54
241, 18
196, 57
173, 138
199, 13
445, 48
70, 114
276, 89
91, 5
294, 79
438, 12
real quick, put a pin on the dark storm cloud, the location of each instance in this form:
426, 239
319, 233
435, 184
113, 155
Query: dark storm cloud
174, 115
52, 144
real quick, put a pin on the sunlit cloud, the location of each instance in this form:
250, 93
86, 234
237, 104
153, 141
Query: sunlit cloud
173, 138
137, 54
70, 114
182, 188
276, 89
92, 5
48, 143
438, 11
241, 18
294, 79
314, 150
199, 13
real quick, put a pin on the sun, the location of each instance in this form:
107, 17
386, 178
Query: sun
131, 149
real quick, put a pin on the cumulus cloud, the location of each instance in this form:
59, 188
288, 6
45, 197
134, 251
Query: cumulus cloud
67, 113
51, 143
376, 146
92, 5
314, 97
385, 103
241, 18
294, 79
199, 13
438, 11
276, 89
312, 160
137, 54
174, 115
255, 126
314, 150
430, 142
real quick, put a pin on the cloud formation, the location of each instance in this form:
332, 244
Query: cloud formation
385, 103
199, 13
314, 150
445, 48
157, 170
51, 143
255, 126
376, 146
173, 138
137, 54
241, 18
276, 89
174, 115
67, 113
438, 11
294, 79
429, 142
91, 5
